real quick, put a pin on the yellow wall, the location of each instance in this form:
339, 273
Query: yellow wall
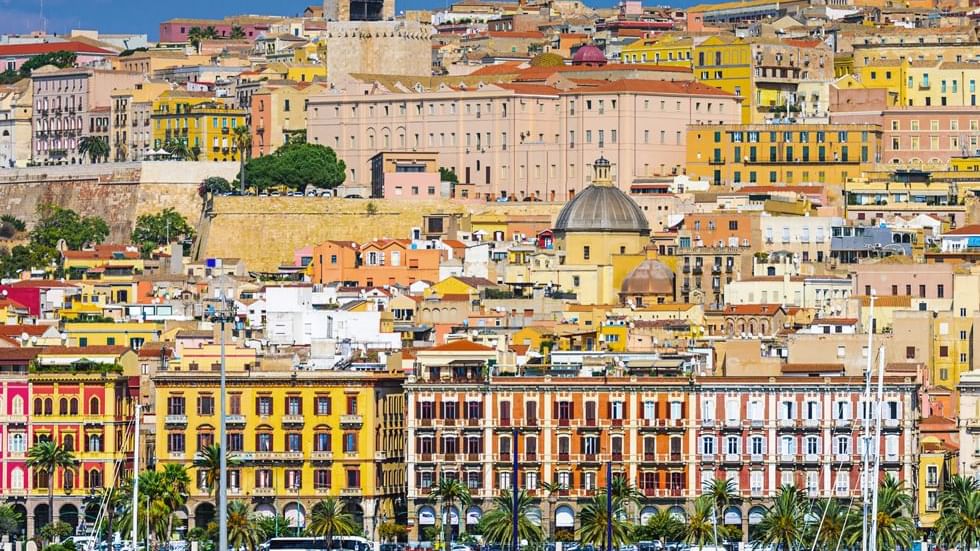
668, 51
733, 75
200, 122
117, 334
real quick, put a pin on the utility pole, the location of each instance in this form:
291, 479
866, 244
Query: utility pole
223, 315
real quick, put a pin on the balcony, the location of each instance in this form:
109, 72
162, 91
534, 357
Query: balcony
473, 457
292, 420
351, 421
733, 458
708, 423
811, 458
756, 458
351, 491
757, 423
225, 130
891, 424
733, 424
321, 456
473, 422
716, 161
235, 420
842, 424
173, 420
842, 458
787, 423
787, 458
708, 458
811, 423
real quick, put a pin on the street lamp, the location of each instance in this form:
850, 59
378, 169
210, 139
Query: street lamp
222, 312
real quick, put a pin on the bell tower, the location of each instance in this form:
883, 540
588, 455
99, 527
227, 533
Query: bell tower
601, 172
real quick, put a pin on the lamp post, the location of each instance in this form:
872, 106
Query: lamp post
222, 315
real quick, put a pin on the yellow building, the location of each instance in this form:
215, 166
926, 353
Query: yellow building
614, 335
937, 463
667, 50
952, 349
734, 155
278, 111
103, 263
201, 122
768, 73
303, 435
130, 334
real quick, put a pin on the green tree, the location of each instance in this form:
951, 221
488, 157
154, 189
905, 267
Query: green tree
895, 508
178, 149
297, 166
195, 36
55, 532
447, 493
60, 59
722, 493
210, 32
662, 527
547, 60
154, 230
10, 520
22, 258
328, 519
215, 184
272, 525
237, 32
783, 523
448, 175
95, 147
835, 519
47, 457
700, 528
55, 224
208, 460
176, 486
243, 526
497, 525
243, 141
959, 523
391, 531
595, 515
15, 222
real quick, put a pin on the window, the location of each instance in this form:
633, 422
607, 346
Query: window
205, 405
322, 405
263, 405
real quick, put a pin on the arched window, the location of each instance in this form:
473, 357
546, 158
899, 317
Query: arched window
93, 406
68, 442
41, 479
63, 406
73, 406
17, 443
17, 406
17, 478
94, 443
48, 406
38, 406
94, 479
69, 479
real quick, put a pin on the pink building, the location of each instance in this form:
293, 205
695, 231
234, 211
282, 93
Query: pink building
519, 139
14, 411
70, 104
177, 30
930, 281
12, 56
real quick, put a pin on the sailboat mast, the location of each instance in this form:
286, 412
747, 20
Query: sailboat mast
136, 473
873, 536
866, 427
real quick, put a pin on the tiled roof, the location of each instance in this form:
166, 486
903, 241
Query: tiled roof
516, 34
461, 346
40, 283
13, 355
752, 309
972, 229
18, 330
84, 350
49, 47
653, 86
812, 368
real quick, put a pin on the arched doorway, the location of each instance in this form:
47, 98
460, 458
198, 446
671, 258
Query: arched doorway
564, 518
473, 516
646, 514
265, 510
69, 515
41, 517
534, 515
679, 513
755, 518
356, 512
426, 516
295, 515
203, 514
22, 520
733, 519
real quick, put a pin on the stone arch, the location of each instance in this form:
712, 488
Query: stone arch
68, 514
646, 514
473, 515
203, 514
266, 510
565, 517
22, 519
733, 516
295, 514
356, 512
426, 516
678, 513
41, 517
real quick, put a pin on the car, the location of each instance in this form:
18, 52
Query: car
353, 196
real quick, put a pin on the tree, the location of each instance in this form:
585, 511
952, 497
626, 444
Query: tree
448, 175
595, 515
178, 149
552, 489
210, 32
392, 531
15, 222
208, 460
497, 525
55, 224
237, 32
835, 519
243, 526
10, 520
701, 525
663, 527
47, 457
215, 184
722, 493
154, 230
270, 525
243, 141
56, 531
548, 59
783, 523
60, 59
22, 258
296, 166
896, 529
448, 492
959, 523
328, 519
95, 147
176, 485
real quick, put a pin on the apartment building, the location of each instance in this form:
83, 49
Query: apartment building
303, 436
782, 153
701, 273
279, 111
130, 114
523, 140
201, 122
668, 435
15, 413
15, 123
70, 104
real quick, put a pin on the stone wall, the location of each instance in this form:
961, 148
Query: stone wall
266, 231
383, 47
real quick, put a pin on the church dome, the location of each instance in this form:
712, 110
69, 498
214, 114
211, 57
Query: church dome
651, 277
589, 55
602, 207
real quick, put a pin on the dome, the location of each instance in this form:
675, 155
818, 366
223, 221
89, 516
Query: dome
651, 277
589, 55
601, 208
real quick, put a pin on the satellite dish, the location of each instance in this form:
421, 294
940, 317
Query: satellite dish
24, 337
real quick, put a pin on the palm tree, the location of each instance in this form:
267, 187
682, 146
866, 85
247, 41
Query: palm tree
194, 36
959, 524
595, 515
447, 493
208, 460
328, 519
552, 489
111, 499
243, 526
895, 506
176, 485
834, 519
498, 524
10, 520
701, 526
243, 141
237, 32
95, 147
723, 495
663, 527
956, 491
782, 524
47, 457
177, 148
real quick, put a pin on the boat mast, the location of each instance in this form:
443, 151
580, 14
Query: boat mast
866, 426
873, 537
136, 473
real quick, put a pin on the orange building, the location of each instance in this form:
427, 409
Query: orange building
376, 263
721, 229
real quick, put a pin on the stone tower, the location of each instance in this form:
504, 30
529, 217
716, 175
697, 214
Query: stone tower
358, 10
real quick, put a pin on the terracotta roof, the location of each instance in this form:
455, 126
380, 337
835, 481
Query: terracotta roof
812, 368
461, 346
653, 86
12, 355
106, 252
887, 301
475, 281
455, 297
834, 321
802, 43
972, 229
83, 350
11, 303
506, 68
18, 330
41, 283
519, 349
516, 34
533, 89
49, 47
752, 309
155, 350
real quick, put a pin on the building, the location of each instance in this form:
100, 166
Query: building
16, 108
359, 10
702, 273
782, 153
71, 104
14, 473
174, 31
969, 424
279, 111
131, 113
667, 50
376, 263
523, 140
304, 435
12, 56
204, 124
407, 176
